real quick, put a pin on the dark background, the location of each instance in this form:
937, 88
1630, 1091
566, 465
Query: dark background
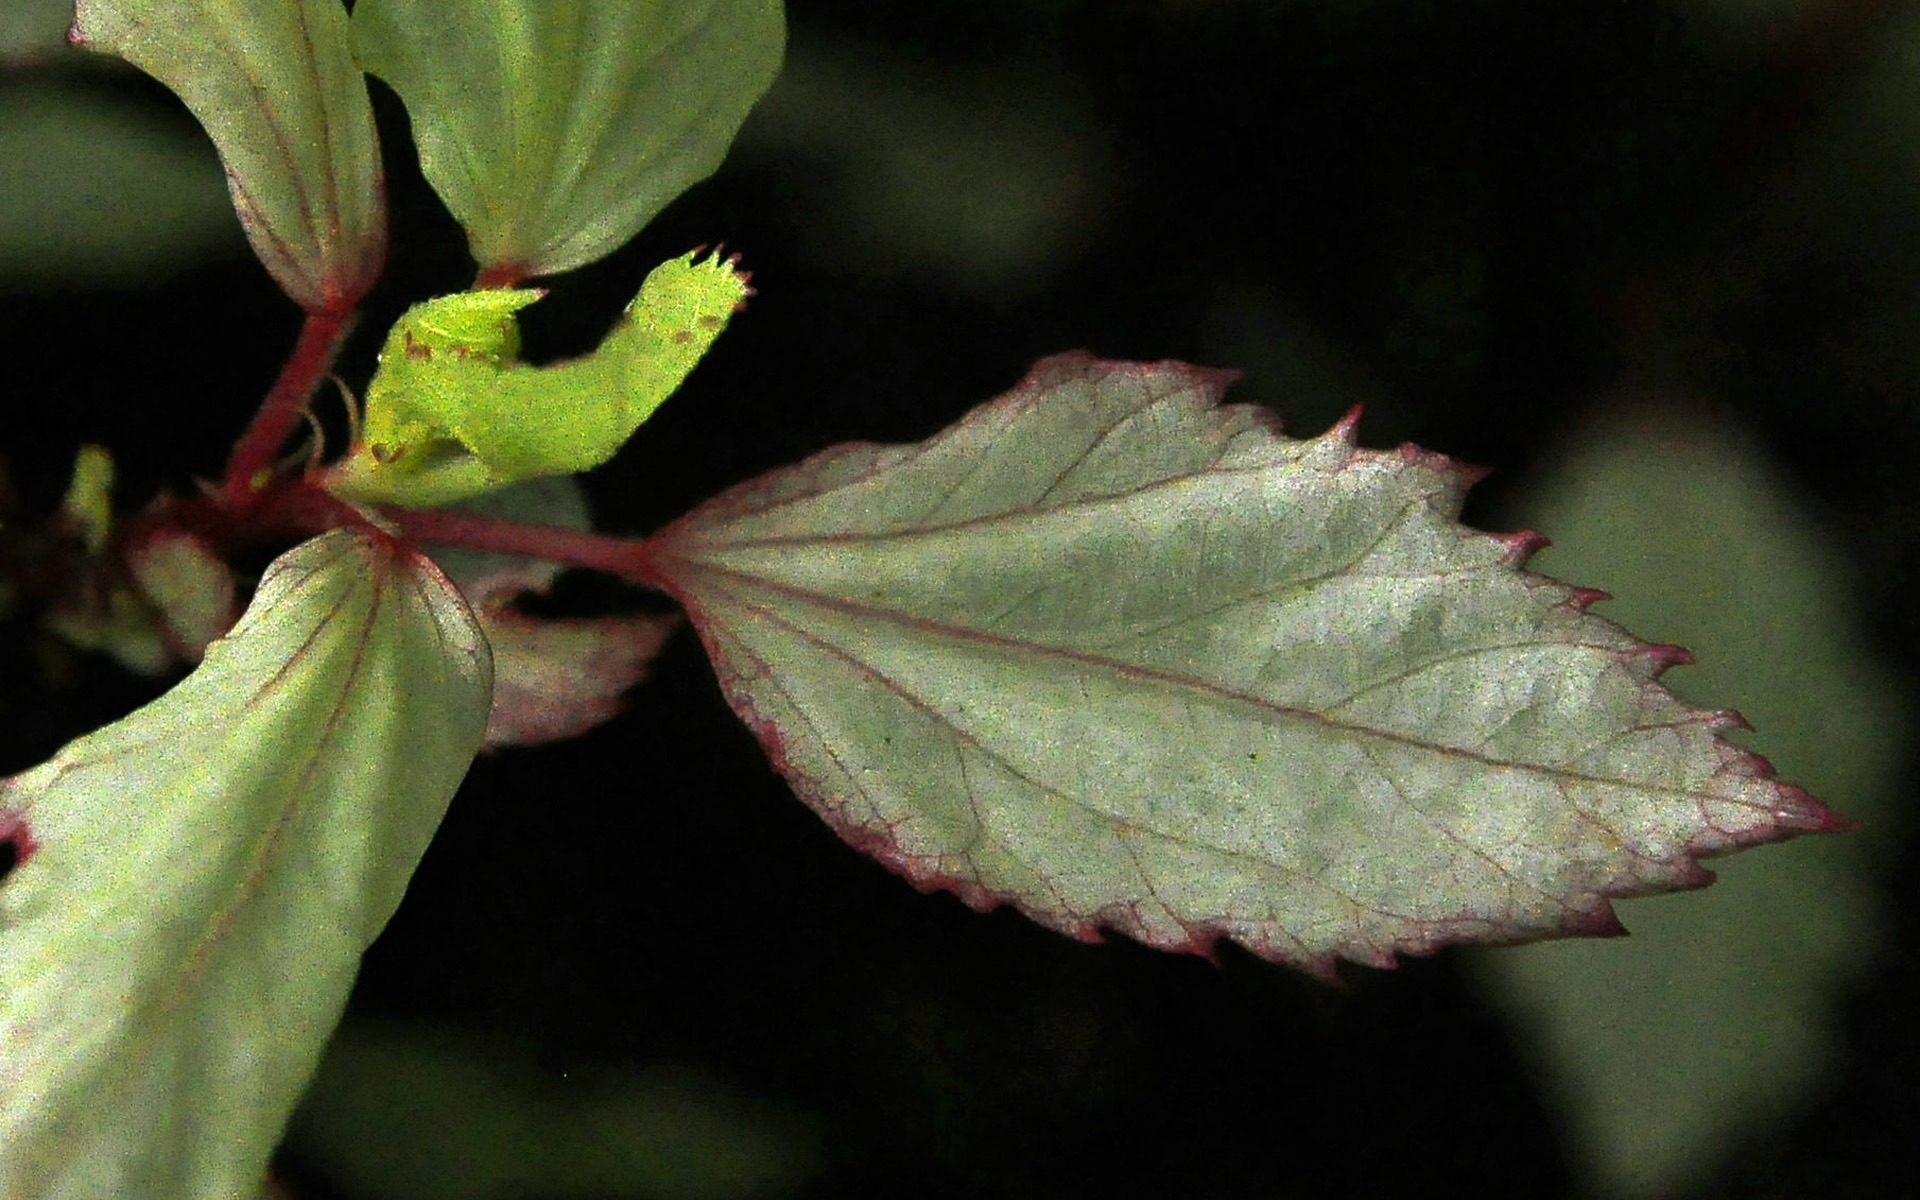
1476, 217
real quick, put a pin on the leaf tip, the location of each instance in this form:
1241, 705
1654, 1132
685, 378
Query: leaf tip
1789, 809
1580, 599
1600, 921
1347, 428
1522, 545
721, 262
1659, 657
1798, 812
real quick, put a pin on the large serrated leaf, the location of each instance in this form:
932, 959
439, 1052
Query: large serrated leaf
200, 879
274, 84
553, 129
1125, 658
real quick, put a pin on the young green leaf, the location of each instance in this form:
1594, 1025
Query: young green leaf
450, 414
553, 129
274, 84
205, 874
96, 609
1124, 658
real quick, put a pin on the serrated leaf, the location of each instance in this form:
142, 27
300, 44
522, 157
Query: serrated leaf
451, 414
273, 82
554, 130
177, 946
1127, 659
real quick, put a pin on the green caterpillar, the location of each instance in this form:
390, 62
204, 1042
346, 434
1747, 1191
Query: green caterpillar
451, 412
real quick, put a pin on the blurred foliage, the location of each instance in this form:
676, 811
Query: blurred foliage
408, 1113
983, 179
32, 30
102, 191
1677, 1048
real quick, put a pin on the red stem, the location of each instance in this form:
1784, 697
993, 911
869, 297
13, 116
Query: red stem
280, 412
252, 505
500, 275
628, 558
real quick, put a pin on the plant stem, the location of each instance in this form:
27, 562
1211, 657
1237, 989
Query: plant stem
307, 365
500, 275
624, 557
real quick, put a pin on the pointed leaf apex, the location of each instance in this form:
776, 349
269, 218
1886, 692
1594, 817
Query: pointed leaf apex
1663, 656
1523, 544
1800, 812
1599, 922
1121, 655
1580, 599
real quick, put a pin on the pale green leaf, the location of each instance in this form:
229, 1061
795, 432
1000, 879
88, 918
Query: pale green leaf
1677, 1050
553, 129
1127, 659
451, 413
201, 878
273, 82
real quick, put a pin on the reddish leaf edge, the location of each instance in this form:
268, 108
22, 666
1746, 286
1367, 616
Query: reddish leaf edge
1795, 811
17, 843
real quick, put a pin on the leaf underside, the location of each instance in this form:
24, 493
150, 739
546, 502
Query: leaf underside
554, 130
203, 876
1127, 658
273, 82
